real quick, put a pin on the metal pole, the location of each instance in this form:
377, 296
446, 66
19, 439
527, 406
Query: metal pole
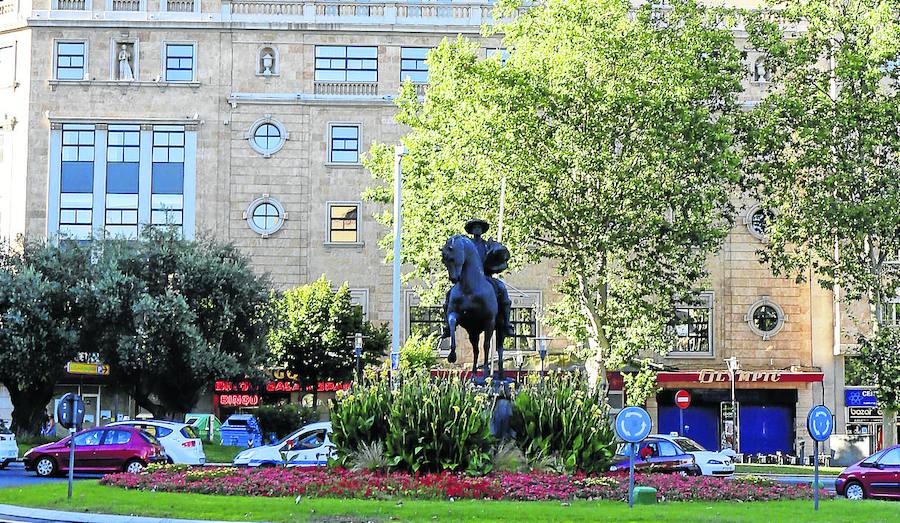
357, 349
71, 460
631, 476
816, 475
680, 421
399, 153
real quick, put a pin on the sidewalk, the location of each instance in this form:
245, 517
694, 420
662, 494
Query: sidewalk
37, 515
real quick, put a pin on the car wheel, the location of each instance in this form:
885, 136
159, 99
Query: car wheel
854, 491
134, 467
45, 467
4, 463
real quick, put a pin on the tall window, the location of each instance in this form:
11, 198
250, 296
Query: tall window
693, 326
340, 63
179, 62
412, 64
123, 157
70, 60
524, 323
76, 182
344, 144
343, 222
167, 179
495, 51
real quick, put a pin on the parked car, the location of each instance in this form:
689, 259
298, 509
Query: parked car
241, 430
180, 441
308, 446
877, 476
677, 454
98, 449
9, 450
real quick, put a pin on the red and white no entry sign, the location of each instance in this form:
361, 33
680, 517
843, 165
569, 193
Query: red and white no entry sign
683, 399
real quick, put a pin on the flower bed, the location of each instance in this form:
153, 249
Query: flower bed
330, 482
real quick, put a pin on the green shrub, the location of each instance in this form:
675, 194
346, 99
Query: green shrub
426, 424
563, 417
284, 418
418, 352
360, 416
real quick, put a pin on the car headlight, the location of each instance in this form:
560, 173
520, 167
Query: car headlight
714, 462
613, 468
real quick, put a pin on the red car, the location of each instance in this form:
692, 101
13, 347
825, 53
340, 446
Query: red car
97, 450
877, 476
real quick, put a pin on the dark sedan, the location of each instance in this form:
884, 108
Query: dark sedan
97, 450
877, 476
656, 454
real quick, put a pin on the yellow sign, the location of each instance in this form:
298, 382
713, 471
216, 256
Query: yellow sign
95, 369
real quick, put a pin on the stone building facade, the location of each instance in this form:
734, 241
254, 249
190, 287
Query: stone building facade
245, 119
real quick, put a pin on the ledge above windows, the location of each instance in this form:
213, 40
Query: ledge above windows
121, 83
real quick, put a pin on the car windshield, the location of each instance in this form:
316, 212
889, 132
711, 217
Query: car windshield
873, 458
689, 445
149, 438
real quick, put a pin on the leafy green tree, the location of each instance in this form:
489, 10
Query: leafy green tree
42, 290
822, 150
609, 130
170, 316
417, 352
313, 334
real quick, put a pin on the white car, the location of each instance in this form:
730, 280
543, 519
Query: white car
9, 451
675, 453
180, 441
309, 446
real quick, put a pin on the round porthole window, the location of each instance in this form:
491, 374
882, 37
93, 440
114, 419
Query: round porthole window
765, 318
758, 220
267, 136
265, 216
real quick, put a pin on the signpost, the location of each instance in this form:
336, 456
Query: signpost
819, 423
682, 401
633, 424
70, 413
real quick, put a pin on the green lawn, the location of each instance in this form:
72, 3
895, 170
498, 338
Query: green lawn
755, 468
89, 496
216, 453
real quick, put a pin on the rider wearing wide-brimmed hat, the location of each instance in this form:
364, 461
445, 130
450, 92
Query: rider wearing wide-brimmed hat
495, 257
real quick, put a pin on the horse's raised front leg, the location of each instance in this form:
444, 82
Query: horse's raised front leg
451, 323
473, 339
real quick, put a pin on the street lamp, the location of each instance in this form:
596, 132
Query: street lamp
399, 153
733, 366
541, 342
357, 350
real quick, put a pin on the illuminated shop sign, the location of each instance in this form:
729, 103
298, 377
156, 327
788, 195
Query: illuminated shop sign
239, 400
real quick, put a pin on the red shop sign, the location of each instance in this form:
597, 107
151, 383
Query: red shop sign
239, 400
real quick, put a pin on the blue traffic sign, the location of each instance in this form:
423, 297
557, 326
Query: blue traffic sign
819, 423
633, 424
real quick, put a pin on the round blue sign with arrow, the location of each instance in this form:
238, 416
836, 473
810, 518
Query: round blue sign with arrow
633, 424
819, 423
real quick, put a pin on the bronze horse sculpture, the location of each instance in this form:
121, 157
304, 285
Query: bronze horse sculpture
472, 302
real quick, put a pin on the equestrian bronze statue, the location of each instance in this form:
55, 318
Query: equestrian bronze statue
478, 302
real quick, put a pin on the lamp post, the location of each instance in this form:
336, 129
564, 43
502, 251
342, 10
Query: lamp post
399, 153
541, 342
357, 350
733, 366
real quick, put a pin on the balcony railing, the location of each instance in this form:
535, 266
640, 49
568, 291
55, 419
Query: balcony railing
347, 88
71, 5
126, 5
349, 9
180, 6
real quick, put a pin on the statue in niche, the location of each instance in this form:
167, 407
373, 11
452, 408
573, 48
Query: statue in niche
125, 72
760, 74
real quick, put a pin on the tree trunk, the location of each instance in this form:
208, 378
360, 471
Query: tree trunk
889, 428
29, 408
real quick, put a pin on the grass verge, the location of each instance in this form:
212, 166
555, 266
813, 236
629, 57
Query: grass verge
756, 468
91, 497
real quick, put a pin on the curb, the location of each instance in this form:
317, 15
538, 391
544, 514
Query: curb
39, 515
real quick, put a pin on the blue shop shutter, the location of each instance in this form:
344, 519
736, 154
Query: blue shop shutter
766, 429
701, 424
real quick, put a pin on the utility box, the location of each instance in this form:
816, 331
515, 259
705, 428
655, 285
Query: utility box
241, 430
644, 496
